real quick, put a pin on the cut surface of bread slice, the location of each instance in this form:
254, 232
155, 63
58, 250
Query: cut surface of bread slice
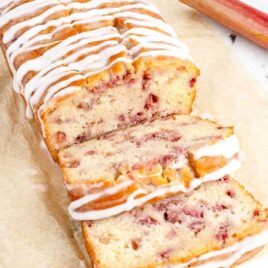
213, 226
86, 68
128, 168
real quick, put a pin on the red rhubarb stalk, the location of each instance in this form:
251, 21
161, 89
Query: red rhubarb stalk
237, 16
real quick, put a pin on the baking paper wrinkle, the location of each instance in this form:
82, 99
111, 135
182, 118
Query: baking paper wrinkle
34, 227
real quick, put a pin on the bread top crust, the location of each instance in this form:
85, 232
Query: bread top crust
56, 47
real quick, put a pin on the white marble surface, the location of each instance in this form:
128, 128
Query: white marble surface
255, 59
252, 56
262, 5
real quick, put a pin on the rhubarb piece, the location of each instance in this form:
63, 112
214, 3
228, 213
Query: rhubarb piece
237, 16
188, 231
128, 168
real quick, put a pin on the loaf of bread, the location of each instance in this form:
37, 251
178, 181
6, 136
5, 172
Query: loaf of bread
214, 226
127, 168
86, 68
111, 88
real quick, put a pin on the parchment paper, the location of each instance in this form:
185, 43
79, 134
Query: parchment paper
34, 227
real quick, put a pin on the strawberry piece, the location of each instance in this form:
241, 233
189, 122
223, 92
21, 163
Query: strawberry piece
147, 80
60, 137
230, 193
192, 82
197, 226
223, 233
73, 164
148, 221
193, 212
135, 243
151, 101
172, 216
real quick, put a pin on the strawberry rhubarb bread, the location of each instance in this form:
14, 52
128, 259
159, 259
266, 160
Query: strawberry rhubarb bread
217, 225
127, 168
86, 68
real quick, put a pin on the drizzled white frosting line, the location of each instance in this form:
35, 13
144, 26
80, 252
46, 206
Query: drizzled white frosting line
91, 197
9, 34
94, 62
67, 91
4, 3
119, 11
151, 36
228, 147
131, 202
96, 3
58, 51
161, 52
23, 10
54, 89
237, 250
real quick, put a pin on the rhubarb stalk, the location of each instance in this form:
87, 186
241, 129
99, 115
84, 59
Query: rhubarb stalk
237, 16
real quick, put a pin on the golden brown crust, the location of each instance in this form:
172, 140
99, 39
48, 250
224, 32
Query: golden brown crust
89, 245
207, 165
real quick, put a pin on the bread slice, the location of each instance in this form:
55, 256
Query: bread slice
128, 168
217, 224
86, 68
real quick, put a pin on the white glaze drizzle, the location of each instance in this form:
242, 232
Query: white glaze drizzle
91, 197
131, 202
228, 147
22, 10
4, 4
11, 32
151, 32
237, 250
95, 4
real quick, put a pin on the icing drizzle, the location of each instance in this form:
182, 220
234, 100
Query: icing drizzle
228, 147
84, 52
133, 202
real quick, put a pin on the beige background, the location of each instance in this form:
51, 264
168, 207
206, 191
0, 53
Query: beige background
34, 227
